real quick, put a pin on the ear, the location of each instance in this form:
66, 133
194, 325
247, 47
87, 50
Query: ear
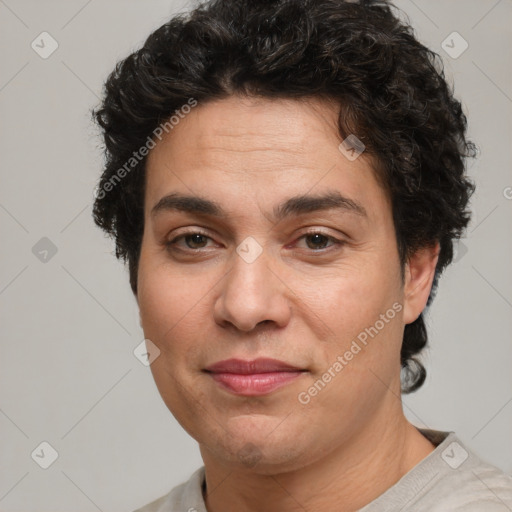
419, 275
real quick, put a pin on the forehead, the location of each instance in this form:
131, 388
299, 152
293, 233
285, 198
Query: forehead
257, 147
256, 127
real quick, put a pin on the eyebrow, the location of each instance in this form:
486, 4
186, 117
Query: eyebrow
293, 206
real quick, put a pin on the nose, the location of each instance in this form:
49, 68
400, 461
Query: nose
252, 293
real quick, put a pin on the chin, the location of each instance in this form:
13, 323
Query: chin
262, 452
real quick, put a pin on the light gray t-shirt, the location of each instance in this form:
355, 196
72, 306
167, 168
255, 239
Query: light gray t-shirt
449, 479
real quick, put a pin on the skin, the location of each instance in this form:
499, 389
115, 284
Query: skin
303, 301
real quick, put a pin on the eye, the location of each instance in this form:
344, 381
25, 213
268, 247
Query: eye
316, 240
193, 240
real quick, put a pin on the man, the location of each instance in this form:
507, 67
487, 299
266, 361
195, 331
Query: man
286, 180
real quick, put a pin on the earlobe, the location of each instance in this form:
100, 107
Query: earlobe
419, 276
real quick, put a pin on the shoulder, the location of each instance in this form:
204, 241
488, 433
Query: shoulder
464, 482
452, 478
478, 487
186, 497
158, 505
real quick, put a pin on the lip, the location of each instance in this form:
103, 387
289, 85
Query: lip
243, 367
251, 378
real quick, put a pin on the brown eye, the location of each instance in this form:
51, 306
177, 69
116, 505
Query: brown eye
318, 240
193, 240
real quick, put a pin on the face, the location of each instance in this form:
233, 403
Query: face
252, 272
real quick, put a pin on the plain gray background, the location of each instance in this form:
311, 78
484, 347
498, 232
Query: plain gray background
69, 323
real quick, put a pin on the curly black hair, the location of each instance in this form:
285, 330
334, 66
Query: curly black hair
360, 54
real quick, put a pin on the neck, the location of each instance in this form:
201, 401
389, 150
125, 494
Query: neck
346, 479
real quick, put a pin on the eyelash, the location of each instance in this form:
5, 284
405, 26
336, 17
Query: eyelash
330, 238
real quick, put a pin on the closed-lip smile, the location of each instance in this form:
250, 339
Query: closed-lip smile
253, 377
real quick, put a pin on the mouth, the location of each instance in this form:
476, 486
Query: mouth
253, 378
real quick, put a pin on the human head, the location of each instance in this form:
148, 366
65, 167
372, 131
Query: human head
390, 89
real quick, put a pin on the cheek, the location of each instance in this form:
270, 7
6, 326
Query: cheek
348, 298
362, 307
175, 307
168, 297
173, 317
